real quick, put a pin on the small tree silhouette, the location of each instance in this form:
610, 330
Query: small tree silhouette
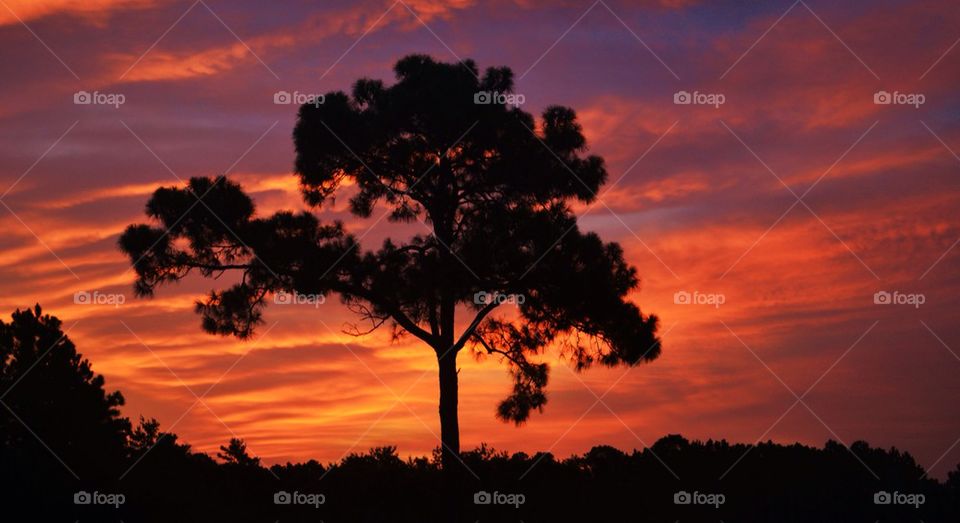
54, 405
236, 453
492, 186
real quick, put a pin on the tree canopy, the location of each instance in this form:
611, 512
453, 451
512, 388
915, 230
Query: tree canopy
493, 187
53, 401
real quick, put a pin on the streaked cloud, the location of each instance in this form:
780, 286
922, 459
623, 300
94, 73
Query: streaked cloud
699, 208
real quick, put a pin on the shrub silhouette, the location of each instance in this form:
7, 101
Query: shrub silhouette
164, 480
57, 423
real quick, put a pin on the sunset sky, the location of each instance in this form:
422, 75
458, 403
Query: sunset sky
796, 200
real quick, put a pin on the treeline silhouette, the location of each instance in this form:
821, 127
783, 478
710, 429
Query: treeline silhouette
63, 443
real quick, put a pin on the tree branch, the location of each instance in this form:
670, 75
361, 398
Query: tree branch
474, 324
493, 350
398, 315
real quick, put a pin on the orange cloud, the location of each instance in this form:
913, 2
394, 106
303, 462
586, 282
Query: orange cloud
699, 201
159, 65
95, 11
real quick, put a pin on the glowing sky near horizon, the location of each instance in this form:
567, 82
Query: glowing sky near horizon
797, 199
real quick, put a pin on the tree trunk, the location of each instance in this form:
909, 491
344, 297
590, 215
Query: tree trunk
449, 388
449, 421
450, 434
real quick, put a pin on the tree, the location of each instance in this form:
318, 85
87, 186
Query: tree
491, 186
54, 407
236, 453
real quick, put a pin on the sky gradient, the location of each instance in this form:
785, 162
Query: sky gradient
797, 200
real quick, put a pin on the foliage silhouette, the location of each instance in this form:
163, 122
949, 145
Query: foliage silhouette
236, 454
41, 372
492, 191
54, 407
164, 480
